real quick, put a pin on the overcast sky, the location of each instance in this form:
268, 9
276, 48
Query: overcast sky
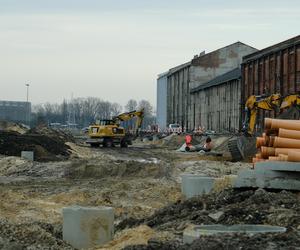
115, 49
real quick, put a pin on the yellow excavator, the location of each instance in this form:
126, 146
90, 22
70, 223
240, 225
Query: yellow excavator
239, 146
109, 132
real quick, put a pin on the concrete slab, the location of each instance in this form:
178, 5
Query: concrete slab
29, 155
279, 166
194, 185
195, 232
265, 178
87, 227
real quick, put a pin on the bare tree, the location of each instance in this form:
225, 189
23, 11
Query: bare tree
116, 109
146, 105
131, 105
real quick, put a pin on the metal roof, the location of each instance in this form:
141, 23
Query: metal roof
229, 76
272, 49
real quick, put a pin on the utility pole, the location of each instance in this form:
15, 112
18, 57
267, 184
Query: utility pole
27, 85
27, 104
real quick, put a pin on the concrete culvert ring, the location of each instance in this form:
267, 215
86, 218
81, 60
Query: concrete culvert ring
196, 232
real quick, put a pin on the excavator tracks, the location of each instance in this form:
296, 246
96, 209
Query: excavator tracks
235, 150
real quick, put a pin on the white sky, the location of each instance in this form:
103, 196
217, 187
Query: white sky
115, 49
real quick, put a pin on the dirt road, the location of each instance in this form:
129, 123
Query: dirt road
137, 182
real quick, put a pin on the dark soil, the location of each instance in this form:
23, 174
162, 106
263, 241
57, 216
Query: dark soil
287, 241
45, 147
235, 207
36, 235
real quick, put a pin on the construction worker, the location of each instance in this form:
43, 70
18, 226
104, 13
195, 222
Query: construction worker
207, 146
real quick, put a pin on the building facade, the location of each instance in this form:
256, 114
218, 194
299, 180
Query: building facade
183, 107
178, 94
161, 101
217, 102
15, 111
275, 69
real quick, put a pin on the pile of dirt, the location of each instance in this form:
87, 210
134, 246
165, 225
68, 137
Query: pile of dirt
13, 127
35, 235
45, 148
228, 207
47, 144
58, 134
286, 241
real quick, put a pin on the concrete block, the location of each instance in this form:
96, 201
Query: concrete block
279, 166
29, 155
195, 232
87, 227
195, 185
265, 178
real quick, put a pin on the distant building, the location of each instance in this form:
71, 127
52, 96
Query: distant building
183, 104
161, 102
15, 111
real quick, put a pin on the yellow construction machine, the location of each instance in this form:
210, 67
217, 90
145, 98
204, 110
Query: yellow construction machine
239, 146
109, 132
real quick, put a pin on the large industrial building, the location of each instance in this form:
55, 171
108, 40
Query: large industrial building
161, 101
275, 69
15, 111
183, 95
210, 91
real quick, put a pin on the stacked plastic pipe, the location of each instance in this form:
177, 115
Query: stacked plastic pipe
279, 142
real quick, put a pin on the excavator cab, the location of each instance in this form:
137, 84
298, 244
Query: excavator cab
109, 133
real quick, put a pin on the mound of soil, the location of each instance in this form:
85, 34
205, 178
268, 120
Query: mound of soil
286, 241
36, 235
57, 134
228, 207
45, 147
11, 126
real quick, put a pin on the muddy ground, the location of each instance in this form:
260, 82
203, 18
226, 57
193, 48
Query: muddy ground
142, 183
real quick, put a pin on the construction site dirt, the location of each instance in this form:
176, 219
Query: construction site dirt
142, 184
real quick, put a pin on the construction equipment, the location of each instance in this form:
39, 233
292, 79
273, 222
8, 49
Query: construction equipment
238, 146
109, 132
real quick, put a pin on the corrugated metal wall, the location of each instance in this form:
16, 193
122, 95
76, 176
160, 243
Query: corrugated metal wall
273, 70
218, 107
178, 96
161, 102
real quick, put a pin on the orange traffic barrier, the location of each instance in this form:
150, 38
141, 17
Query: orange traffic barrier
286, 143
294, 156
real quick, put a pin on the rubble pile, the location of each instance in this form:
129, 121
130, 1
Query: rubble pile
228, 207
36, 235
47, 144
233, 242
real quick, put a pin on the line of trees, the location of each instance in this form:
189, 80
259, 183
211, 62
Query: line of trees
84, 111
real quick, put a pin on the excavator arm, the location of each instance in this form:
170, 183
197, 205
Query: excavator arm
130, 115
253, 104
239, 146
290, 100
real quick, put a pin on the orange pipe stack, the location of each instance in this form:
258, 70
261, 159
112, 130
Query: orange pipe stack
279, 142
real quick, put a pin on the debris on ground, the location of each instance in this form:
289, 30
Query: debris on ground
239, 207
142, 184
